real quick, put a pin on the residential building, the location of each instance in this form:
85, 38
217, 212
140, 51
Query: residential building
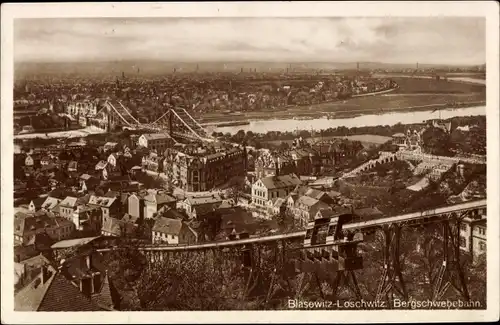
172, 232
192, 202
305, 208
88, 183
301, 160
110, 207
46, 160
38, 244
136, 206
28, 161
301, 190
88, 218
28, 269
109, 146
122, 197
473, 236
399, 139
81, 283
155, 200
50, 203
27, 226
36, 204
51, 291
270, 187
271, 164
113, 160
101, 169
73, 166
69, 205
153, 162
156, 141
277, 205
82, 108
117, 228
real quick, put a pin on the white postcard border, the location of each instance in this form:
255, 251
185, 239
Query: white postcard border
488, 9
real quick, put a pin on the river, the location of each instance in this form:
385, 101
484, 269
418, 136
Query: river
392, 118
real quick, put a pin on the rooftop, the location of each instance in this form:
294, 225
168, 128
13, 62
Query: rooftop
281, 181
55, 293
73, 242
117, 227
159, 198
157, 136
167, 226
101, 201
197, 200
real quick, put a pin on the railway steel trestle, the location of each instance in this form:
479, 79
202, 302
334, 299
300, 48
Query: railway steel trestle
327, 254
391, 281
451, 272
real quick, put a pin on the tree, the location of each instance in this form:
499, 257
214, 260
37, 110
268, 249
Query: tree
239, 136
192, 282
284, 145
436, 141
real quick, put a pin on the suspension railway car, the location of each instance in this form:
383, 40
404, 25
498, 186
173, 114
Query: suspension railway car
328, 247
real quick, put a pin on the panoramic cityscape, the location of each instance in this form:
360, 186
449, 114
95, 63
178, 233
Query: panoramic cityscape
181, 164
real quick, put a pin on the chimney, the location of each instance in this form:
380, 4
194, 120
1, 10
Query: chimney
43, 274
278, 166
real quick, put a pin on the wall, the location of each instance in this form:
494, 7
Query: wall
150, 208
164, 238
135, 206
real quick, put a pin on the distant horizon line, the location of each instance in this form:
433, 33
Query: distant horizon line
247, 61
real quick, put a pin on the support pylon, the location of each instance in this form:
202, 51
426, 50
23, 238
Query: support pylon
391, 280
451, 272
346, 279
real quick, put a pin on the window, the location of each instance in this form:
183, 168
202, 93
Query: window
482, 246
462, 242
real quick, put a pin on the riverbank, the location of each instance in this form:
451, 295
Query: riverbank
392, 117
341, 114
78, 133
417, 93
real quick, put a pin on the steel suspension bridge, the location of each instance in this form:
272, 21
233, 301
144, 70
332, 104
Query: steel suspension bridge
177, 121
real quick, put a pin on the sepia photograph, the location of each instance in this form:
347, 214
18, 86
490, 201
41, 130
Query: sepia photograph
243, 161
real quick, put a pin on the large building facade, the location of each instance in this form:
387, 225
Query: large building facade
201, 168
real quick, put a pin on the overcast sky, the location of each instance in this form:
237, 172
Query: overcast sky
390, 40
